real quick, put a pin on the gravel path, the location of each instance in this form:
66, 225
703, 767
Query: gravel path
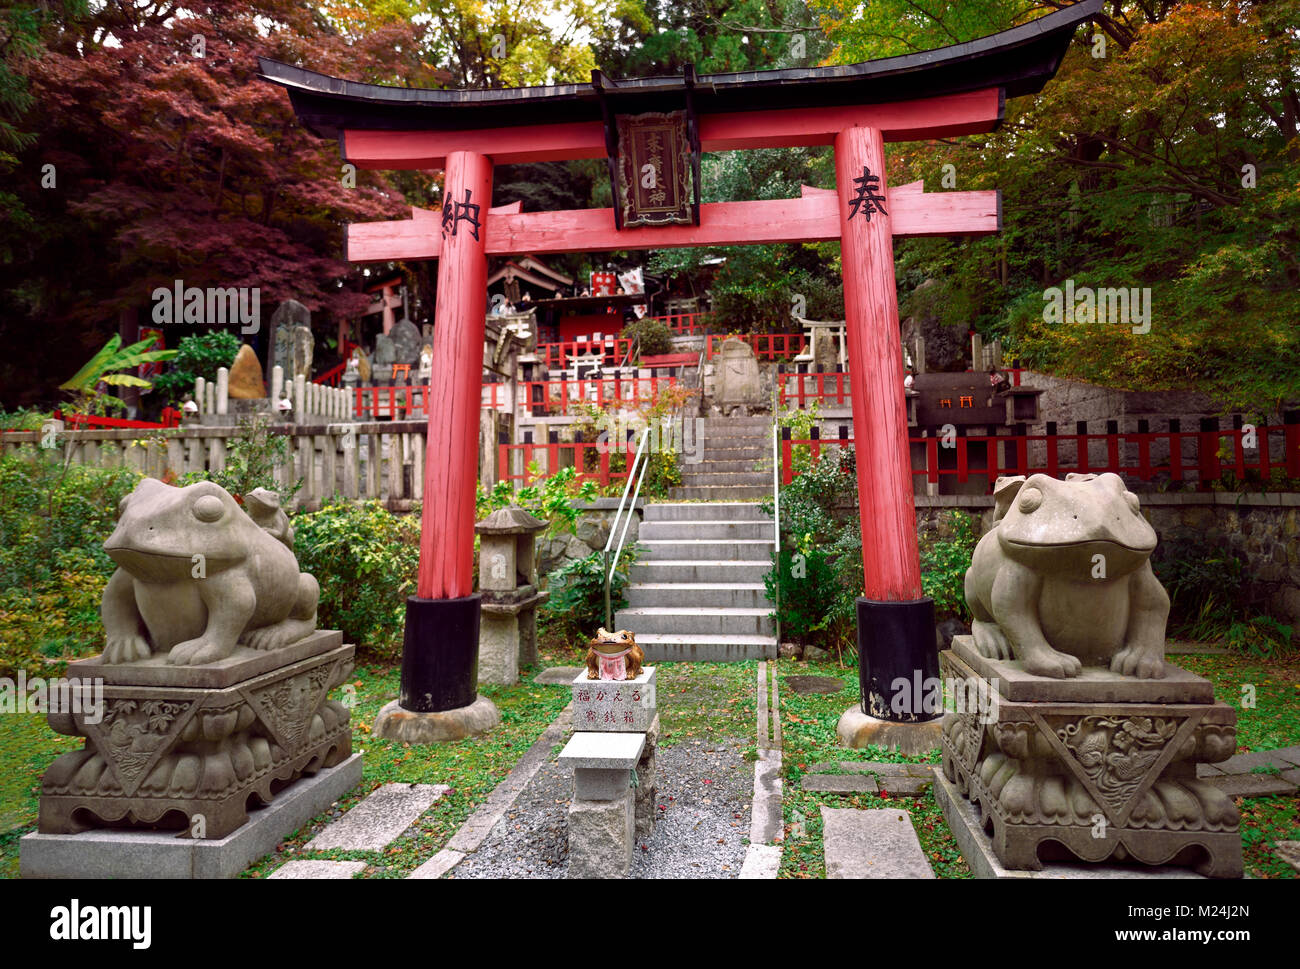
704, 794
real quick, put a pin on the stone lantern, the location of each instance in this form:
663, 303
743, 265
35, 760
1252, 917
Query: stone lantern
507, 579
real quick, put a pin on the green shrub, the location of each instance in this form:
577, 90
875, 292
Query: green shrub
576, 604
652, 335
1261, 636
366, 560
251, 459
552, 499
199, 355
1204, 581
821, 555
944, 562
53, 568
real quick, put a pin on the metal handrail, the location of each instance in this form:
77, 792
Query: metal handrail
776, 515
612, 563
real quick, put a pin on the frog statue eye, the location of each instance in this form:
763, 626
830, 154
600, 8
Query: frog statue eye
1029, 500
121, 505
208, 508
1132, 501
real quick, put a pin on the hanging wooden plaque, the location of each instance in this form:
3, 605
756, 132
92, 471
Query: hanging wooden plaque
654, 169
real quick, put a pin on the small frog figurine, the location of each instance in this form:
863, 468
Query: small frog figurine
614, 656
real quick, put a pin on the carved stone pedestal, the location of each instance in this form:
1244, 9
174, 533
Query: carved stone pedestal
1096, 767
188, 747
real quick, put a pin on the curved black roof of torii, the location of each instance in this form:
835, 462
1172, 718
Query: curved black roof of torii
1020, 61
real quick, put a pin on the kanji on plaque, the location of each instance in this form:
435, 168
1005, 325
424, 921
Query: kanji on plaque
625, 707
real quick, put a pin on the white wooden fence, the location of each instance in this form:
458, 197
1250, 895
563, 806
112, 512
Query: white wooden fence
380, 459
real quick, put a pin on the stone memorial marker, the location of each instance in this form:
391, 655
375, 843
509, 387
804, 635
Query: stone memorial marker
736, 380
406, 342
385, 356
292, 340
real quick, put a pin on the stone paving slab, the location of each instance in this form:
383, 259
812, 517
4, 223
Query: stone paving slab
761, 861
437, 866
882, 768
766, 823
558, 675
872, 844
318, 869
1243, 763
1208, 770
385, 813
1288, 851
1252, 785
1291, 754
840, 783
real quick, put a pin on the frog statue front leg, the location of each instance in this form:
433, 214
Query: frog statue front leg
1143, 653
231, 601
1015, 596
124, 631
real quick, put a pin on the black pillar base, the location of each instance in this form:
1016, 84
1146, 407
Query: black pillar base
896, 643
440, 654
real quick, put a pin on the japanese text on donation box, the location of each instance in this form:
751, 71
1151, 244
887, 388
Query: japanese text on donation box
614, 705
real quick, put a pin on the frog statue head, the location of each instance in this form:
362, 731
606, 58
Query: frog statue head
198, 575
1053, 525
1063, 579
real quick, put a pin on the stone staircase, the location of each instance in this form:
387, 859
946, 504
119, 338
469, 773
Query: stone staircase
736, 463
696, 591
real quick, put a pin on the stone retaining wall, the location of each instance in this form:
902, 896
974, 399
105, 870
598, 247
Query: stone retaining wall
1263, 530
594, 522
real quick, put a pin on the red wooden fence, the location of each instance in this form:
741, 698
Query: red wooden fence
1218, 451
830, 387
684, 324
612, 351
170, 418
562, 454
563, 396
767, 346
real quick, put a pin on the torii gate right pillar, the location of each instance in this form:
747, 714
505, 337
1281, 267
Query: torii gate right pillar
896, 639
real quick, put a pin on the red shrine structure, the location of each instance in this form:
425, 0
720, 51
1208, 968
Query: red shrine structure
652, 131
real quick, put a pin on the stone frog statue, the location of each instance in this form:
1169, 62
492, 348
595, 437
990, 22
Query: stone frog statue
198, 575
614, 656
1063, 579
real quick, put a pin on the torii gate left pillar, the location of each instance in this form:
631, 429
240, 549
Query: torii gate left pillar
438, 699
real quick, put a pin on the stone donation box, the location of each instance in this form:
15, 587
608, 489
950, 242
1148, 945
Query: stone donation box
507, 578
612, 753
1086, 744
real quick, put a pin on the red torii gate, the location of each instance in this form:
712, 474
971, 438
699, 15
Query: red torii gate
858, 108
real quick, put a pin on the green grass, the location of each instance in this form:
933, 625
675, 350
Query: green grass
472, 767
808, 732
808, 723
27, 745
707, 701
